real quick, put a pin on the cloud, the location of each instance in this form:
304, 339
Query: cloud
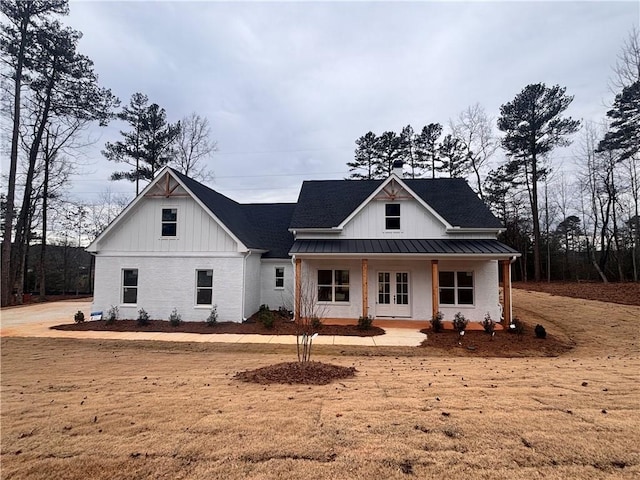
289, 87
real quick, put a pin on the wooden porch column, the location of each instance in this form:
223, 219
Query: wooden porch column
435, 290
506, 292
365, 287
298, 289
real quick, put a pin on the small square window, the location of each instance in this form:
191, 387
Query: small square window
392, 216
169, 222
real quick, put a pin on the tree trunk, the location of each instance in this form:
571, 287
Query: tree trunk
7, 267
22, 224
43, 250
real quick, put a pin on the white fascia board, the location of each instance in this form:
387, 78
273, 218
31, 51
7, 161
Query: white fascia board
493, 231
295, 231
113, 253
392, 177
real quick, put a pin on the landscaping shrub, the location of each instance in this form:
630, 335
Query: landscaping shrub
266, 316
364, 323
143, 317
488, 324
460, 322
212, 319
112, 315
517, 326
284, 312
436, 322
175, 318
78, 317
316, 323
540, 331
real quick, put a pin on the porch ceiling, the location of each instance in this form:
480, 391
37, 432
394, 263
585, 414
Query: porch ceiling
403, 246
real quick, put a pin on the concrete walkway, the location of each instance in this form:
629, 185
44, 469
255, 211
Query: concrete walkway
35, 321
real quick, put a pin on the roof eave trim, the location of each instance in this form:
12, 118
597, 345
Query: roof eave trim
488, 256
456, 229
315, 230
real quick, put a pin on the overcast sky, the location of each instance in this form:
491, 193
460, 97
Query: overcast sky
289, 87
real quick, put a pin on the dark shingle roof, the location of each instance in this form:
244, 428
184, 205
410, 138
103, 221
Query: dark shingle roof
261, 226
404, 246
326, 203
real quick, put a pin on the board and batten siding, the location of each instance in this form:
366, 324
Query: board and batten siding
415, 222
168, 282
140, 230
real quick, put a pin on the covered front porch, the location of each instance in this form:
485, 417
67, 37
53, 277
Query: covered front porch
404, 286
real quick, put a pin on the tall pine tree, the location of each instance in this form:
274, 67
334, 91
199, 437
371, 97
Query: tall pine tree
147, 147
366, 159
534, 125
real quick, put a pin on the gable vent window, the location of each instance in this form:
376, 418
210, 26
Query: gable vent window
392, 216
169, 222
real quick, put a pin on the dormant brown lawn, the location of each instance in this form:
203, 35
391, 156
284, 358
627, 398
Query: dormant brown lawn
109, 409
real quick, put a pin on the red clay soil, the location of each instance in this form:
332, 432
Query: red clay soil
309, 373
280, 327
627, 293
478, 343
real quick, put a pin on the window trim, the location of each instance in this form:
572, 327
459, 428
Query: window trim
123, 286
198, 288
168, 222
276, 277
388, 217
456, 288
334, 285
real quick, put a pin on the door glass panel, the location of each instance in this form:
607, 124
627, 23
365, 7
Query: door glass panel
384, 288
402, 288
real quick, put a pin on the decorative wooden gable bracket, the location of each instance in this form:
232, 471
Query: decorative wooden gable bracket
166, 187
393, 191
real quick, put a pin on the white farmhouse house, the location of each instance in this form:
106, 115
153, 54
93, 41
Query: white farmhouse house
394, 248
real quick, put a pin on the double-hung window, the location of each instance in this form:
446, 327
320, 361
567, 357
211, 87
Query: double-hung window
204, 287
392, 216
169, 222
333, 285
456, 288
279, 278
130, 286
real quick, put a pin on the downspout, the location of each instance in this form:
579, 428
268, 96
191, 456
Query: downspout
513, 259
244, 284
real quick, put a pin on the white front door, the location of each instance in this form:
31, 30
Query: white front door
393, 295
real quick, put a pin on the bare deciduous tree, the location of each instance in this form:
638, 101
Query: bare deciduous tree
627, 68
473, 129
194, 147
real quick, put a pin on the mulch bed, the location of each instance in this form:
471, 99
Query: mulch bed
280, 327
627, 293
309, 373
477, 343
